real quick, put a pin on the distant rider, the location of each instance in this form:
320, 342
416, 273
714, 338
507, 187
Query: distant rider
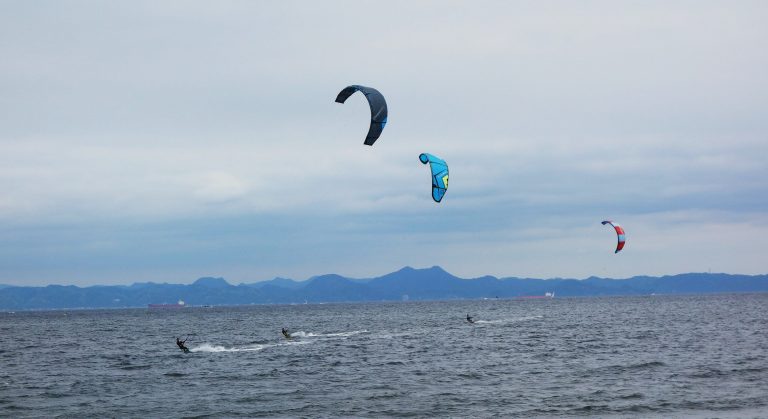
286, 334
469, 318
180, 344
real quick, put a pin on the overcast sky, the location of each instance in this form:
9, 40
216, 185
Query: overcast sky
164, 141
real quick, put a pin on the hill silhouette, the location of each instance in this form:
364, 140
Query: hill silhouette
405, 284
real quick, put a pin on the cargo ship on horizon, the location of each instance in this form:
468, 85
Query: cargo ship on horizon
179, 304
546, 295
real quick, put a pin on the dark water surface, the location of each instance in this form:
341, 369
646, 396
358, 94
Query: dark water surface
659, 356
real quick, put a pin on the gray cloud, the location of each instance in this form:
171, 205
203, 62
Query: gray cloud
149, 141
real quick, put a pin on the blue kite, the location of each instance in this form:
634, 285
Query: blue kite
439, 175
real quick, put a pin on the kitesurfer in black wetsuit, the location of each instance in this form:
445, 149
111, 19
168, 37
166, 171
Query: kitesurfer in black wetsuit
180, 344
286, 334
469, 318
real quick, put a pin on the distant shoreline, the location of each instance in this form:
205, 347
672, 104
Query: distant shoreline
429, 284
227, 306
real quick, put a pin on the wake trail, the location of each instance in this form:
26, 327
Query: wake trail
510, 320
302, 334
207, 347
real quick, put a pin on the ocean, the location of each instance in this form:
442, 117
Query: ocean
652, 356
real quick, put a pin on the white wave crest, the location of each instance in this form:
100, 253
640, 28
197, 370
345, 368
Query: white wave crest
302, 334
512, 320
207, 347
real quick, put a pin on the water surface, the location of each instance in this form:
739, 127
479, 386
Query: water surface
655, 356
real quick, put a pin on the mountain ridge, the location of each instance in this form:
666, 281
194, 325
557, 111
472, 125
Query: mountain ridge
408, 283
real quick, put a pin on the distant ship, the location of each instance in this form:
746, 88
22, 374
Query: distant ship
546, 295
180, 304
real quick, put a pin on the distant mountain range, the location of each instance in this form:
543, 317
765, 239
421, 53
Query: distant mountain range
406, 284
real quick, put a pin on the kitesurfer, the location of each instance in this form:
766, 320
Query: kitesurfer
286, 334
180, 344
469, 318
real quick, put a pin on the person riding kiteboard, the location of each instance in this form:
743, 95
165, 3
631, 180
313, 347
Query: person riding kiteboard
469, 318
180, 344
286, 333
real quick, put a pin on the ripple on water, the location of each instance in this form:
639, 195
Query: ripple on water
586, 357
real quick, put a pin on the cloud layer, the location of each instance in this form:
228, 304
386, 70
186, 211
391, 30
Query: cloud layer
168, 141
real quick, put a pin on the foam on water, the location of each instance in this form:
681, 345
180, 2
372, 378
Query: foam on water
510, 320
302, 334
207, 347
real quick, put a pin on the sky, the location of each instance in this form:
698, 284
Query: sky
168, 140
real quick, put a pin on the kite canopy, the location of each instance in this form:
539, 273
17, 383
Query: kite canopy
439, 170
619, 232
378, 109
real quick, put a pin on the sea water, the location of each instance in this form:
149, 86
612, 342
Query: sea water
652, 356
